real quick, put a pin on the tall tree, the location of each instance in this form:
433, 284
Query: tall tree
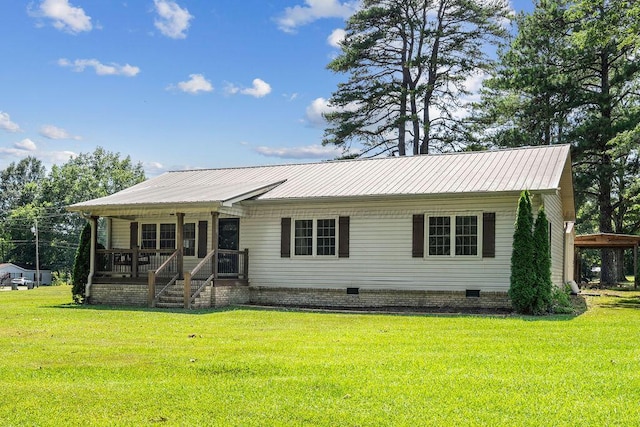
572, 75
19, 193
408, 61
84, 177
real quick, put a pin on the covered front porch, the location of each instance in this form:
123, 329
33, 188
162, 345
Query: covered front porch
176, 256
174, 242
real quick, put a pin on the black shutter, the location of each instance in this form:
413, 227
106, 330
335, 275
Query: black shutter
489, 235
133, 235
418, 236
285, 238
202, 239
343, 237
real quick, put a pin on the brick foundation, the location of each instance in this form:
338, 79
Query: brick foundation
377, 298
119, 294
222, 296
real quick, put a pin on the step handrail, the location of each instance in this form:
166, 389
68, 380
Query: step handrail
153, 274
188, 297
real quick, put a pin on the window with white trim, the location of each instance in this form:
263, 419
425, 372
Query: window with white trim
467, 235
189, 237
459, 232
167, 236
322, 232
148, 236
326, 240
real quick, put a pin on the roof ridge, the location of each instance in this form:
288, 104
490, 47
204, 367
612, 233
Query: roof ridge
395, 158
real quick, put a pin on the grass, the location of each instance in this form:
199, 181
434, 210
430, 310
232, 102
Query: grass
62, 364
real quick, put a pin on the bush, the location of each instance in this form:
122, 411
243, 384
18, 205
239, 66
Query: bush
523, 277
81, 266
60, 278
560, 300
542, 264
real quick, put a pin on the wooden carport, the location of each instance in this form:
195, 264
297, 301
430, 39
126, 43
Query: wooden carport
607, 241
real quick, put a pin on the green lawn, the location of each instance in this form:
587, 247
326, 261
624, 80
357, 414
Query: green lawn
68, 365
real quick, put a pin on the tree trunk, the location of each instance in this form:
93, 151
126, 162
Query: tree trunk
620, 270
608, 270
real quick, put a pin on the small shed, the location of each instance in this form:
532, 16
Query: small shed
608, 241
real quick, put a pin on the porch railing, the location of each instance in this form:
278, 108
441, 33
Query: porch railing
203, 273
232, 264
132, 263
222, 263
163, 277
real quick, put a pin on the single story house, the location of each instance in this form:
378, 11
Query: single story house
10, 271
420, 231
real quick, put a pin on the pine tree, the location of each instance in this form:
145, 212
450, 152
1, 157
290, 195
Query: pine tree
523, 272
542, 263
407, 60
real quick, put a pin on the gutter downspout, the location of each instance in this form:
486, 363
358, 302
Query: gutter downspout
92, 255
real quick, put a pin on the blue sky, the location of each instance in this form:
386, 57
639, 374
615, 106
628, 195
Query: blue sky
174, 84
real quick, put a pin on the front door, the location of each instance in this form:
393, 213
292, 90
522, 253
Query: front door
228, 240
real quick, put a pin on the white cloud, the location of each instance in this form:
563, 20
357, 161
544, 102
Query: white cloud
19, 149
306, 152
7, 124
26, 144
315, 110
320, 106
65, 17
297, 16
101, 69
172, 21
27, 147
336, 37
196, 83
54, 132
56, 157
259, 89
154, 168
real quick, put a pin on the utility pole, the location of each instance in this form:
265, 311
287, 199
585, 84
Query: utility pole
37, 255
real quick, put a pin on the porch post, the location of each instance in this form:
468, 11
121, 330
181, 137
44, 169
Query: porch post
577, 268
180, 242
214, 242
93, 221
635, 266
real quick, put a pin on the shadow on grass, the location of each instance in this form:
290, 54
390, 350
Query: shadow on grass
578, 307
578, 302
73, 306
620, 301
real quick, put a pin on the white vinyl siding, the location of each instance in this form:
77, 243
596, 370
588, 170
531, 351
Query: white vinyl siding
380, 247
553, 210
380, 244
120, 232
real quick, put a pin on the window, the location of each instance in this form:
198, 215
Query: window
149, 236
439, 235
303, 237
326, 243
467, 235
189, 237
167, 236
322, 231
460, 232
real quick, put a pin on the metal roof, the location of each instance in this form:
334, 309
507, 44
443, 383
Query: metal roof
606, 240
514, 170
